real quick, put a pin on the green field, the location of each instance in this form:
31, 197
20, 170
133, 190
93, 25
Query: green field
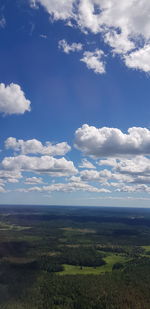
110, 261
146, 248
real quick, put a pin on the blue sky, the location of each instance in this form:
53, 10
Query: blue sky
74, 102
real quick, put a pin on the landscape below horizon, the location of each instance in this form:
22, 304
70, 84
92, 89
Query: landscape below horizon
74, 257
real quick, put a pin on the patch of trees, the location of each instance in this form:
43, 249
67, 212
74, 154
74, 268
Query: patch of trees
112, 249
117, 266
73, 256
81, 256
49, 264
125, 232
13, 248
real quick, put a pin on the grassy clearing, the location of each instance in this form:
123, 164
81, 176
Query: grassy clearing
146, 248
110, 261
77, 230
6, 226
146, 252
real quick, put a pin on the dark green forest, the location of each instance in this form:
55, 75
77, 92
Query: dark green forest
74, 257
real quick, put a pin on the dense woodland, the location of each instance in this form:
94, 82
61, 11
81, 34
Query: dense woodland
74, 258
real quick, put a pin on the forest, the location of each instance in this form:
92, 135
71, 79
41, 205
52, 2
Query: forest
59, 257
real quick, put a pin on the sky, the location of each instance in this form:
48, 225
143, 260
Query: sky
74, 102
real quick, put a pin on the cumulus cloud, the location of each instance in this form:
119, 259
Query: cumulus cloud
36, 147
10, 176
87, 164
59, 9
90, 175
135, 166
75, 178
12, 100
124, 157
119, 42
12, 180
130, 17
94, 61
124, 25
139, 59
67, 48
133, 170
104, 176
33, 180
43, 165
108, 162
134, 188
123, 165
68, 187
109, 142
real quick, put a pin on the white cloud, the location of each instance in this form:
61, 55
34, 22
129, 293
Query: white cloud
12, 180
108, 162
126, 155
141, 179
104, 176
67, 48
36, 147
33, 180
68, 187
59, 9
135, 166
4, 181
90, 175
134, 170
86, 164
139, 59
75, 178
12, 100
130, 17
124, 25
94, 61
109, 142
119, 42
43, 165
10, 176
134, 188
